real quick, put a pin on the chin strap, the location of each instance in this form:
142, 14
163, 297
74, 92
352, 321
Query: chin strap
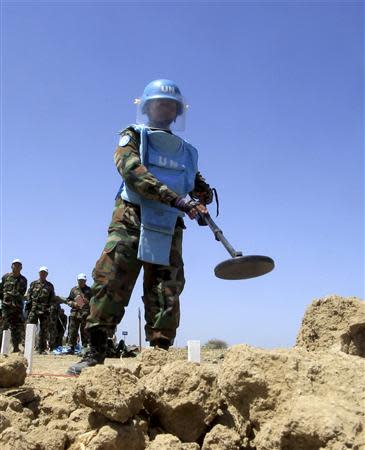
214, 190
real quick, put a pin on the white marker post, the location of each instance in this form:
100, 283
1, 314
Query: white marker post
194, 351
29, 345
5, 345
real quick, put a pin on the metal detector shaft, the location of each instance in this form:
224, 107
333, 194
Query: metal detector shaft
218, 233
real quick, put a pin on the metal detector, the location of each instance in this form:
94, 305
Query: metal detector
238, 267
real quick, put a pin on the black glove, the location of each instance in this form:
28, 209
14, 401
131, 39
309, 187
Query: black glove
192, 208
204, 197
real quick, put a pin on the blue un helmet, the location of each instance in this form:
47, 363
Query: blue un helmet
161, 105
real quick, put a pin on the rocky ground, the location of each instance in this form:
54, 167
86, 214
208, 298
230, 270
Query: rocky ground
310, 397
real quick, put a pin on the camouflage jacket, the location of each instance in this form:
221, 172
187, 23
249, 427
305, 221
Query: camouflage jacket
79, 301
13, 289
138, 178
41, 295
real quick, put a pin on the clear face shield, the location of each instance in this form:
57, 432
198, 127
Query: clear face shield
162, 113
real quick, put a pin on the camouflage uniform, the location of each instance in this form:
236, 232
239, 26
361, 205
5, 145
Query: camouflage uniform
41, 297
117, 269
12, 291
78, 315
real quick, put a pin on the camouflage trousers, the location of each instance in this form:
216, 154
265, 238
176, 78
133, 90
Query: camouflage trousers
13, 320
115, 275
77, 322
43, 318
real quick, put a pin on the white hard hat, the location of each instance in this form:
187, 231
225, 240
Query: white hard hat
16, 261
81, 276
43, 269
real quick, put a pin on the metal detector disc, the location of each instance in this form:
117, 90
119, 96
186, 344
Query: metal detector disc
242, 267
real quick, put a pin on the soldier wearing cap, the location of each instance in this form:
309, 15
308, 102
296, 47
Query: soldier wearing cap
159, 169
41, 296
13, 287
79, 302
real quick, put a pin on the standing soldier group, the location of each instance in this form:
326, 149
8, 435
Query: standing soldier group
160, 183
41, 306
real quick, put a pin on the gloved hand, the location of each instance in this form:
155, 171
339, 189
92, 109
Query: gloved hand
204, 197
192, 208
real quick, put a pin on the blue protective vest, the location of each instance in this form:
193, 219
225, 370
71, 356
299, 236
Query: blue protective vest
174, 162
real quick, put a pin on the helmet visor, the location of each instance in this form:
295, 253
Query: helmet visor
165, 113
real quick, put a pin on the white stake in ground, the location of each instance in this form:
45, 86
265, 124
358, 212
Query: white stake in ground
5, 345
29, 345
194, 351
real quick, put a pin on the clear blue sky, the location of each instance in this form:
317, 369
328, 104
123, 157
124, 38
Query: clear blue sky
277, 113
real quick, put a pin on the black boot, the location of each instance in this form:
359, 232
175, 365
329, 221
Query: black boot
160, 343
96, 354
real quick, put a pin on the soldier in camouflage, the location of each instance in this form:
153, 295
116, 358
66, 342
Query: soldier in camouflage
41, 297
79, 301
117, 269
13, 287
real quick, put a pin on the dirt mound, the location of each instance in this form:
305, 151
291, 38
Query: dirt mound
170, 442
310, 397
184, 398
111, 391
334, 323
294, 399
152, 359
13, 370
221, 438
112, 436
